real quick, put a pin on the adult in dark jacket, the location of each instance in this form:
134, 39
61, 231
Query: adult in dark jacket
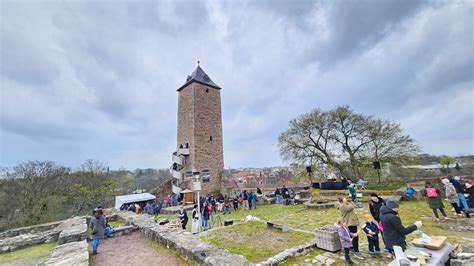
183, 217
462, 202
375, 204
277, 196
394, 231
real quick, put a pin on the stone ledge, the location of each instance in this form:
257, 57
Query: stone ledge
73, 233
25, 240
289, 253
74, 253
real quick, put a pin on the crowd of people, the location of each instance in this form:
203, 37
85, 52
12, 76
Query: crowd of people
384, 222
143, 207
382, 226
285, 196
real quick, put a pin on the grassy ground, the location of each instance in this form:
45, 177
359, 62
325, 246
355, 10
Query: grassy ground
27, 256
116, 224
254, 241
300, 217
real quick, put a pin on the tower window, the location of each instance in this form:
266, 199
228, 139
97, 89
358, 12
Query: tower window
206, 177
210, 138
207, 90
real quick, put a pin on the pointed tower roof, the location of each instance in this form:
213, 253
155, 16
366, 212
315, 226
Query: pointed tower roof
199, 76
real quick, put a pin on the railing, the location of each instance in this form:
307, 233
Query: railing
178, 160
176, 174
175, 189
183, 151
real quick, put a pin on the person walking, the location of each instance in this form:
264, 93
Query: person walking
353, 193
183, 217
345, 237
236, 201
349, 217
394, 231
254, 200
434, 200
97, 224
462, 202
245, 200
195, 217
451, 196
249, 199
205, 216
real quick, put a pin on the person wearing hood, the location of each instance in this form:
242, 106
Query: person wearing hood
394, 231
345, 237
351, 220
451, 196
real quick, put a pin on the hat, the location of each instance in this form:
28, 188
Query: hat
368, 216
445, 181
392, 204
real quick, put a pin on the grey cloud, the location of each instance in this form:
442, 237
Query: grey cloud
101, 79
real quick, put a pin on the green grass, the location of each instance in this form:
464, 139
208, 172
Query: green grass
385, 185
116, 224
254, 241
28, 256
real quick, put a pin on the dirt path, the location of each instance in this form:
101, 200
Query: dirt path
134, 249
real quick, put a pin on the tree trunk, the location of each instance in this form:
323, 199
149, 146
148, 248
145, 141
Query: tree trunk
355, 169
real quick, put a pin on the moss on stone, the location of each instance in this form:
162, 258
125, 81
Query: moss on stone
28, 256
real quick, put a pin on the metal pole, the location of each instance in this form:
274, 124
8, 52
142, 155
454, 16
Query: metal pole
199, 211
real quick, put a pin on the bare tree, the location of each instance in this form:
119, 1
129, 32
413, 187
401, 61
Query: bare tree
309, 139
341, 137
388, 143
352, 133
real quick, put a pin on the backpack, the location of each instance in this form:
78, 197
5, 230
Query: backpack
431, 192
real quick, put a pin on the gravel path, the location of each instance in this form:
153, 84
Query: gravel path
134, 249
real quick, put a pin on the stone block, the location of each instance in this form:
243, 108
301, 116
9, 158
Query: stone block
74, 253
73, 233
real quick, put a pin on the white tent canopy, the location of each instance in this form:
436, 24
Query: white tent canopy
124, 199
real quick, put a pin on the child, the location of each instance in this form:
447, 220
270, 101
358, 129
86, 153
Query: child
371, 229
409, 191
434, 200
352, 193
345, 236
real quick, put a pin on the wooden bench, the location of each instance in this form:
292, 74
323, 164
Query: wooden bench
282, 228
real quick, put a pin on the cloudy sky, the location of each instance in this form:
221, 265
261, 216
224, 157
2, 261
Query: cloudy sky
98, 79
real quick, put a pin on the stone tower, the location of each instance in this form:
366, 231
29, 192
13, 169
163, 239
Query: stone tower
199, 138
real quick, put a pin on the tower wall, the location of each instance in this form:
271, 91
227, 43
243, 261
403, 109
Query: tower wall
200, 124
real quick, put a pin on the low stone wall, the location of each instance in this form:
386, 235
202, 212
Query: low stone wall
289, 253
188, 246
26, 240
70, 234
73, 253
464, 258
321, 205
29, 230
